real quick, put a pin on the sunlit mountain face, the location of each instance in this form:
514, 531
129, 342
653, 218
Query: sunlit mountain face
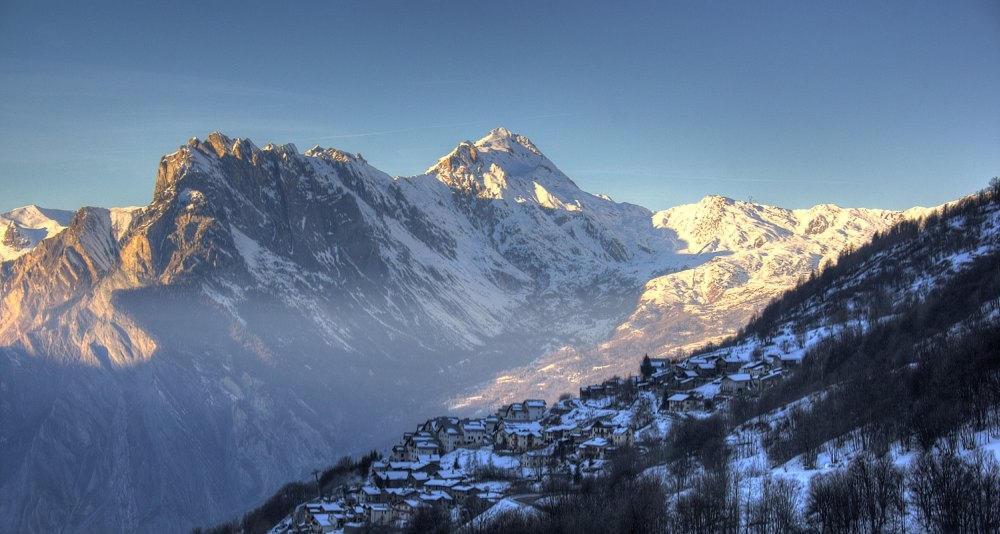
270, 311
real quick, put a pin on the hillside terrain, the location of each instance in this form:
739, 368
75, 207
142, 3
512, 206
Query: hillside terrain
867, 399
169, 365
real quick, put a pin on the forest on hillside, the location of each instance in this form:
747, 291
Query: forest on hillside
910, 384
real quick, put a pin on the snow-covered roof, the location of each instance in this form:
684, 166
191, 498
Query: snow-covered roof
450, 474
595, 442
523, 429
395, 475
548, 450
435, 496
441, 483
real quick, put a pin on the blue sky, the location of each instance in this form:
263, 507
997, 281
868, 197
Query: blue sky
879, 104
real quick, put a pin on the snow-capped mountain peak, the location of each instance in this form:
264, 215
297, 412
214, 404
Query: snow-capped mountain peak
277, 295
505, 165
502, 139
21, 229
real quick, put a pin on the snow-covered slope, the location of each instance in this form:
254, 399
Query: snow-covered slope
272, 310
732, 259
23, 228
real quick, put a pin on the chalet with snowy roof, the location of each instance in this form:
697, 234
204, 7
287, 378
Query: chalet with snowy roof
323, 523
659, 364
322, 516
392, 479
439, 484
622, 436
593, 392
600, 429
426, 449
706, 369
460, 491
418, 479
756, 369
558, 432
399, 453
515, 412
370, 495
417, 445
405, 510
687, 383
445, 431
786, 361
518, 437
737, 384
417, 466
437, 498
450, 439
730, 364
474, 434
563, 406
529, 410
379, 466
539, 458
536, 408
325, 508
770, 380
594, 448
450, 474
491, 422
683, 402
394, 495
380, 514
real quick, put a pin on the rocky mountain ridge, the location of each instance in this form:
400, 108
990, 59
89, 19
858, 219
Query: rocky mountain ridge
266, 295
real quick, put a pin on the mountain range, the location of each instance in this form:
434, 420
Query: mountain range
168, 366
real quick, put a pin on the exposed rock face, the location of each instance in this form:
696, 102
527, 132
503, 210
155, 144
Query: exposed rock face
22, 229
12, 238
270, 311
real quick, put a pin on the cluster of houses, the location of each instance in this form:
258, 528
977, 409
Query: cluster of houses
525, 439
394, 493
522, 439
693, 384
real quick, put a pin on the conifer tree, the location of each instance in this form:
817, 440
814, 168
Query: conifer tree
646, 368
